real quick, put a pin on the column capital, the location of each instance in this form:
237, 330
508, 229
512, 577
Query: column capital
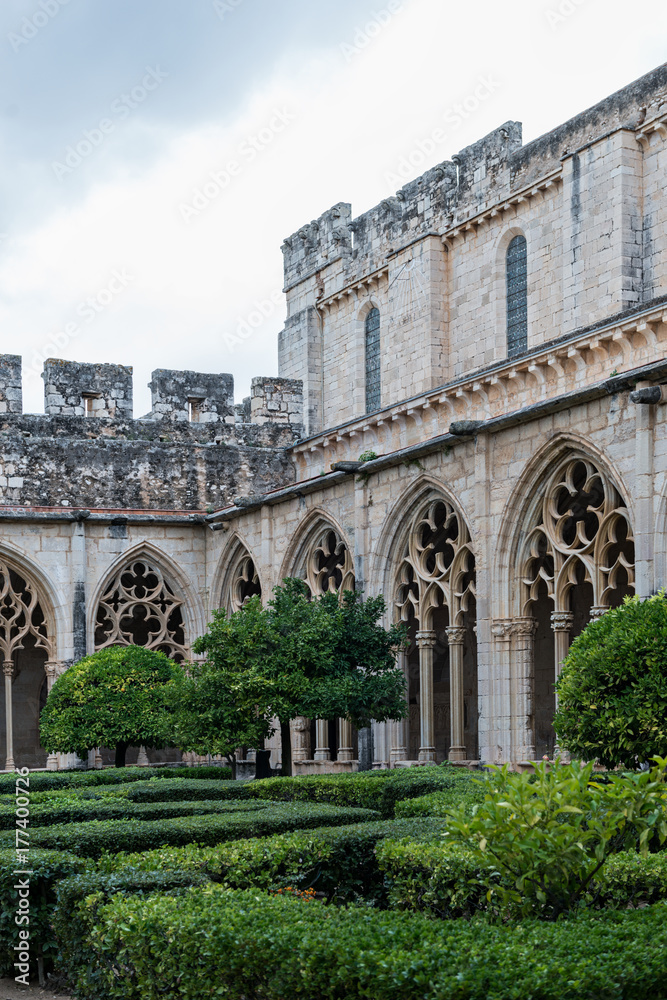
562, 621
524, 626
501, 628
456, 635
8, 668
597, 612
426, 638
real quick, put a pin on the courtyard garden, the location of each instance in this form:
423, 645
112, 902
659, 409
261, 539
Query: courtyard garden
417, 883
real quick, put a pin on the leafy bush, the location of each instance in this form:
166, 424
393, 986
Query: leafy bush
73, 810
379, 790
442, 803
337, 861
549, 834
78, 900
248, 944
47, 868
93, 838
612, 690
53, 780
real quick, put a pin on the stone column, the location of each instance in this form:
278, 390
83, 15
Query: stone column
501, 732
300, 729
426, 641
142, 757
53, 671
322, 751
8, 671
455, 638
399, 729
523, 688
345, 748
379, 745
561, 623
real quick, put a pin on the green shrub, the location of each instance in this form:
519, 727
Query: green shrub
337, 861
212, 942
78, 900
94, 838
612, 690
77, 811
154, 790
47, 868
549, 834
442, 803
46, 780
379, 790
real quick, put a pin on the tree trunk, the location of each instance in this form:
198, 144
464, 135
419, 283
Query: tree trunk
286, 740
231, 760
121, 749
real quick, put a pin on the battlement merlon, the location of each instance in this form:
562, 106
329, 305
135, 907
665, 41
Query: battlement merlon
11, 391
194, 397
75, 389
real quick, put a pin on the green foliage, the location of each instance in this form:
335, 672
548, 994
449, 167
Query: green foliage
339, 862
441, 803
549, 834
154, 790
78, 900
367, 456
76, 810
117, 697
294, 656
41, 781
212, 942
94, 838
612, 691
47, 868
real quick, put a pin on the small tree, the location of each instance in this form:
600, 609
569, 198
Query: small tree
321, 658
117, 697
612, 691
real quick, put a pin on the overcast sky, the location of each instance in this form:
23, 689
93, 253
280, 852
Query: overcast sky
155, 153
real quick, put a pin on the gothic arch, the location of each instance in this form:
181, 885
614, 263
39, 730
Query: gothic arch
237, 566
168, 591
55, 612
525, 507
499, 251
320, 554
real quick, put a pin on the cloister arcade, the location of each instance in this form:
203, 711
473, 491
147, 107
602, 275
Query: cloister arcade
567, 556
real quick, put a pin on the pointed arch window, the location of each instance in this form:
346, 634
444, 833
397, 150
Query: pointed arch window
516, 270
372, 356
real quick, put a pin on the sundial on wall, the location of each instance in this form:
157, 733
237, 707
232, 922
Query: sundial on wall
407, 287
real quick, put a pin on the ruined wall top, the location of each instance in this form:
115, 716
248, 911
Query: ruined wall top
476, 178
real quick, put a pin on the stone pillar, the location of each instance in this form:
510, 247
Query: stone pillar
300, 729
142, 758
561, 623
455, 638
53, 671
322, 751
426, 641
644, 518
379, 745
523, 688
8, 671
399, 729
345, 748
501, 747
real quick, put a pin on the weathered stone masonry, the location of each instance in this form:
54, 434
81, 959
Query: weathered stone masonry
519, 487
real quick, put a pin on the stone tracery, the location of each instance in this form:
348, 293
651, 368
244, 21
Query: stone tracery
329, 566
140, 607
245, 582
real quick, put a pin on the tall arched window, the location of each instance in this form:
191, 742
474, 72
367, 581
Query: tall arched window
517, 296
372, 345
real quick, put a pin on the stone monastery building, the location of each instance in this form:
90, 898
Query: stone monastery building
492, 340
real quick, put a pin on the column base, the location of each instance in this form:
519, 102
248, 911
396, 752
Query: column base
457, 753
9, 764
322, 755
52, 762
345, 754
427, 754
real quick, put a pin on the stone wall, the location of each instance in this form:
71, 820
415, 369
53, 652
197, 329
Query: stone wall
589, 199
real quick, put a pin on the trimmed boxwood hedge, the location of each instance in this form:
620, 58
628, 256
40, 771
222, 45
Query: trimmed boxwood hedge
47, 869
339, 862
442, 802
74, 810
212, 942
43, 780
94, 838
153, 790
